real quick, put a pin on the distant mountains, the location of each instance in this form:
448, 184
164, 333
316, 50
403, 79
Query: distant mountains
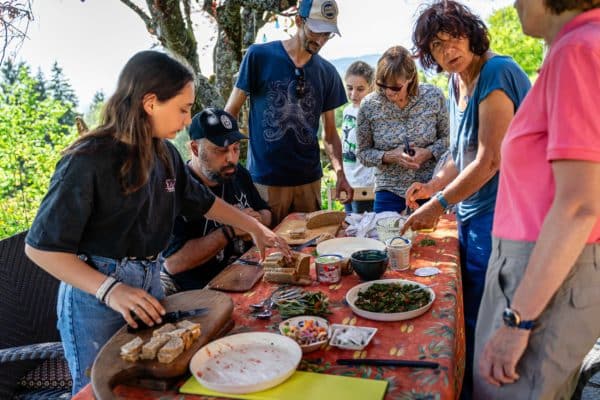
342, 64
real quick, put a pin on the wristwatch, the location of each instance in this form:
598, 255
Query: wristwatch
513, 319
440, 197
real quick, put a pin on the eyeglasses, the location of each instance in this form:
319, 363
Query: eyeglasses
300, 83
392, 88
317, 35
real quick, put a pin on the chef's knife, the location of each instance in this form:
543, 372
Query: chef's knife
169, 317
388, 363
309, 243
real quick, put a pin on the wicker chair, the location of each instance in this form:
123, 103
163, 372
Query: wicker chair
32, 365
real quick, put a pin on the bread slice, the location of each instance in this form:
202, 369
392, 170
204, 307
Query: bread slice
150, 349
323, 218
297, 233
170, 350
185, 335
193, 327
130, 351
164, 329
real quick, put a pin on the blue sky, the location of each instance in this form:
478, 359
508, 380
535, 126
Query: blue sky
92, 40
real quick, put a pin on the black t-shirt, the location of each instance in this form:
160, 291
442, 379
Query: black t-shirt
86, 212
240, 192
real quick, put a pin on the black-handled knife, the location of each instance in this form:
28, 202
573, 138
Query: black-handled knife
169, 317
388, 363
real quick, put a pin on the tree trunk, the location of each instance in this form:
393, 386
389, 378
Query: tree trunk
237, 20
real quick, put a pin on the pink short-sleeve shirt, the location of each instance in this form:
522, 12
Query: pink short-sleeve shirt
558, 120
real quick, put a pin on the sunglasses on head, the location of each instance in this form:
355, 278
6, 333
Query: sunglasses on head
392, 88
300, 83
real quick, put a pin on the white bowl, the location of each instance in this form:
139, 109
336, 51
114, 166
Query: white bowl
297, 322
345, 246
352, 295
246, 362
351, 337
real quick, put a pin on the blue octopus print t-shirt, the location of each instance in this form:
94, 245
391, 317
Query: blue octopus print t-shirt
286, 103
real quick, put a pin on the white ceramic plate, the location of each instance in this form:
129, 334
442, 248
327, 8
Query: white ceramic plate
345, 246
351, 337
352, 295
297, 321
246, 362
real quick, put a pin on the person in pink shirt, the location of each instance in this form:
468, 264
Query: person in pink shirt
540, 310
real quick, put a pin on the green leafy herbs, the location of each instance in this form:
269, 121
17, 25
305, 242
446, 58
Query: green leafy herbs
427, 242
392, 298
310, 303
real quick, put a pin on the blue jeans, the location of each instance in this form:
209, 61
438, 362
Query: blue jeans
86, 324
358, 207
388, 201
475, 239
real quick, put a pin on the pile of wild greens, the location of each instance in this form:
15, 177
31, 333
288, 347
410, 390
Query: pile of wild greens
310, 303
392, 298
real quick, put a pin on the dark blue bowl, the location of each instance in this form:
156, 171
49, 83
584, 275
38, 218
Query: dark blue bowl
369, 264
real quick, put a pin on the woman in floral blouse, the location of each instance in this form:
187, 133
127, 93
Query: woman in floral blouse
400, 112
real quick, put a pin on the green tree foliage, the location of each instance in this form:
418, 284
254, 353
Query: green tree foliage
440, 80
31, 140
93, 114
508, 38
60, 88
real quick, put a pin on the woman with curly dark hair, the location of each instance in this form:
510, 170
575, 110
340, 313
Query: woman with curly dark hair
540, 310
485, 90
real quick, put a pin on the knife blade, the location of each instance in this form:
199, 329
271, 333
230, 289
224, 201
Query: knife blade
388, 363
309, 243
169, 317
247, 262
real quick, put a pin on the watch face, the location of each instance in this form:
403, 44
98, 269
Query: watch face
509, 317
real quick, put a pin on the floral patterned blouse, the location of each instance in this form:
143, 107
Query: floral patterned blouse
382, 126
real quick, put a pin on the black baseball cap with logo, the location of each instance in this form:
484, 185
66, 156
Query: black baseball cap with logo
216, 125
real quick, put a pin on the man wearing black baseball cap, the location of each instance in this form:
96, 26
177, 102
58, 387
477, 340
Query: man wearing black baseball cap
291, 88
200, 248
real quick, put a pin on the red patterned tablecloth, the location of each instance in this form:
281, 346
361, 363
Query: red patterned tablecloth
438, 335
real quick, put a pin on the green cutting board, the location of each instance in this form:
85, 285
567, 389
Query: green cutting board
305, 385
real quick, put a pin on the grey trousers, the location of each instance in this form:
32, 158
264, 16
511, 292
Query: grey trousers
564, 332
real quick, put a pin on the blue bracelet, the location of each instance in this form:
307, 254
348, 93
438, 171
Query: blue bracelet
440, 197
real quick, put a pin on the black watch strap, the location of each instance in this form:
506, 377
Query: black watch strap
513, 319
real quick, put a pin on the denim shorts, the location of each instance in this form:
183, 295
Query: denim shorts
86, 324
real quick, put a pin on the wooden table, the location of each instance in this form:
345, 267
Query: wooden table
438, 335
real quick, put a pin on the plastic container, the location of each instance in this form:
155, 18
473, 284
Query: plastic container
390, 227
329, 268
398, 249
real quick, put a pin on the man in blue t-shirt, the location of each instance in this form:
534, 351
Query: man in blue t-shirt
200, 248
290, 86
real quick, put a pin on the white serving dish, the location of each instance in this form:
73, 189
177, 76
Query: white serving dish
352, 295
297, 321
351, 337
246, 362
345, 246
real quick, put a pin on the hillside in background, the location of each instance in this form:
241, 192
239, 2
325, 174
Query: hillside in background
342, 64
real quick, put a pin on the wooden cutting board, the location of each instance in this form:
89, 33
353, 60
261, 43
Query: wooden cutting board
289, 224
237, 278
110, 370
